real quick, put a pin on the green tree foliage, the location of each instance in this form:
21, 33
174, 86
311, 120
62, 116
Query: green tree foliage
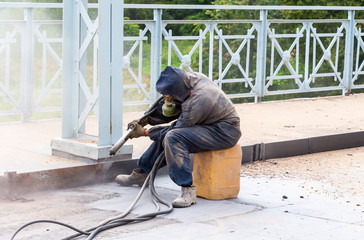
234, 29
320, 14
169, 14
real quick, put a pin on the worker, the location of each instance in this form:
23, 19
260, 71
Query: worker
205, 120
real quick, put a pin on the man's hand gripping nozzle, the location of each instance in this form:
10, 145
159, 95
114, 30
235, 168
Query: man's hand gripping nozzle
131, 126
121, 140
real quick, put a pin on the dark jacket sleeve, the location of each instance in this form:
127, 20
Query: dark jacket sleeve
158, 133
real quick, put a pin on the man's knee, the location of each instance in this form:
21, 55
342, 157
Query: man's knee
171, 137
175, 148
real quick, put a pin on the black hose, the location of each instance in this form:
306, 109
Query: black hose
144, 217
53, 222
151, 109
92, 232
114, 224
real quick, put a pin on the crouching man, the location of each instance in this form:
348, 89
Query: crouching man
205, 120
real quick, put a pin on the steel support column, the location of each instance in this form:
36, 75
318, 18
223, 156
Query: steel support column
104, 72
77, 99
117, 53
70, 69
110, 71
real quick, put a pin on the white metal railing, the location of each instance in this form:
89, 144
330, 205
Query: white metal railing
28, 80
31, 63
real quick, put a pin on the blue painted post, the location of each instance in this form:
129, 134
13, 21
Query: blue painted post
117, 53
27, 65
261, 56
211, 49
70, 69
307, 55
156, 53
104, 72
349, 49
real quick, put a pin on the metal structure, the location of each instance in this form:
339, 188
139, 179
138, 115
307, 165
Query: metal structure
105, 69
20, 93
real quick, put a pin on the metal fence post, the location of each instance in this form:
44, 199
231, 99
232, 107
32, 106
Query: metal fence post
261, 56
27, 65
211, 50
349, 49
156, 53
307, 54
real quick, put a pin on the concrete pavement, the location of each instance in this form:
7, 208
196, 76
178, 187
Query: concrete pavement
265, 209
269, 206
25, 147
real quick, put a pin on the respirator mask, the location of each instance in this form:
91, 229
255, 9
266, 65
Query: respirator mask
169, 108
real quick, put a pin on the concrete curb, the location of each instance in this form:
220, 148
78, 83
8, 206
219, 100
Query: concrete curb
264, 151
14, 184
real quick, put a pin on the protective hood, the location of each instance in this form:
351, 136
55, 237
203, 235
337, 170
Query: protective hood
172, 82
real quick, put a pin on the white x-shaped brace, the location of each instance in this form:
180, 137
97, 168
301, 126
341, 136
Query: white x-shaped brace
128, 67
282, 55
92, 29
361, 43
176, 49
91, 98
324, 56
236, 53
41, 39
9, 39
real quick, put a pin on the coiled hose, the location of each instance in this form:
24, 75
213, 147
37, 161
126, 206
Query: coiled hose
120, 219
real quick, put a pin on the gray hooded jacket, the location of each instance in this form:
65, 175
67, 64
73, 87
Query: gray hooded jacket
206, 105
203, 102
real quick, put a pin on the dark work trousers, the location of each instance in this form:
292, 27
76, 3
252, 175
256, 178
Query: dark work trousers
178, 143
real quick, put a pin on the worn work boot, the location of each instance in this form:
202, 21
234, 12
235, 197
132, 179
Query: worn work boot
186, 199
136, 177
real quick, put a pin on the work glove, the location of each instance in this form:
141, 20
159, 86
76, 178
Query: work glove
137, 132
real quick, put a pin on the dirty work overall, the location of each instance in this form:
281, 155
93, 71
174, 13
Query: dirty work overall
207, 121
